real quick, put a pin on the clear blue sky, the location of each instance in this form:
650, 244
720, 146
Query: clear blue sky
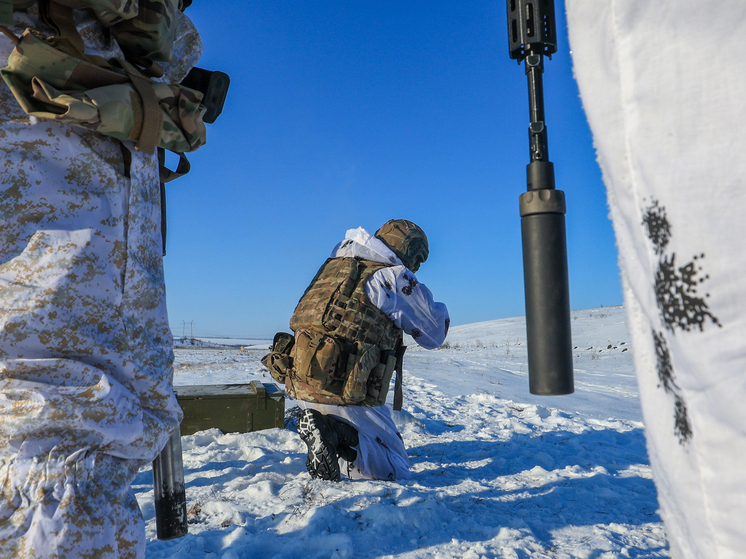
343, 114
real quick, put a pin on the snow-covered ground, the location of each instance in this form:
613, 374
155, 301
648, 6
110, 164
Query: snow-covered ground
497, 472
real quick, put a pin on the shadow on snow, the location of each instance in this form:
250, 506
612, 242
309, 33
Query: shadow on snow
467, 490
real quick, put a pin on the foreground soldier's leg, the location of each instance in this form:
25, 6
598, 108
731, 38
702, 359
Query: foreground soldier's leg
85, 348
675, 181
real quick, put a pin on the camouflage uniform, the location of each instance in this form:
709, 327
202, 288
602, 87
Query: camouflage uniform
386, 300
85, 348
354, 343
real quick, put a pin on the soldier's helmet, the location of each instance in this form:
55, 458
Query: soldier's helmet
407, 240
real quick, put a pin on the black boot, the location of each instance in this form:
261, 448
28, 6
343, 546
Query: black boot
325, 437
347, 437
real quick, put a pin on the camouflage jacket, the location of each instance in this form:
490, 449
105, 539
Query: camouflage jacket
86, 352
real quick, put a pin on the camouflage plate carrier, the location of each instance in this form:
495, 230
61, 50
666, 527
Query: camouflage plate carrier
344, 349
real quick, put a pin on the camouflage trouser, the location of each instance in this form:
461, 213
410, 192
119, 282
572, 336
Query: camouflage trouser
85, 349
70, 506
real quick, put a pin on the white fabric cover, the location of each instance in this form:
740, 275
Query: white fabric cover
663, 86
381, 453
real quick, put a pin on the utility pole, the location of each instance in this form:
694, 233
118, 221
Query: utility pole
183, 329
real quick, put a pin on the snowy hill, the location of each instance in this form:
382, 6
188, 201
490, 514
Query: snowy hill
497, 472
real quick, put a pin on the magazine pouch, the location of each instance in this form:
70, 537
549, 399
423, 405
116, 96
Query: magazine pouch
356, 386
315, 357
380, 379
278, 361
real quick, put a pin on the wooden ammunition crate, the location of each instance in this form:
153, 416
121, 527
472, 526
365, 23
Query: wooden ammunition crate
232, 408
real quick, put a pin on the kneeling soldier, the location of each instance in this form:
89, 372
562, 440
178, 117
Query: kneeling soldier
348, 329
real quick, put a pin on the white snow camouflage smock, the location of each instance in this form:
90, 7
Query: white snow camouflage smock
86, 352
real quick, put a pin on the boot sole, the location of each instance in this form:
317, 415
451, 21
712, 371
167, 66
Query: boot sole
322, 458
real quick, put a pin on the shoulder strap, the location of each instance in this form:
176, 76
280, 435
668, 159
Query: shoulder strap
149, 133
61, 19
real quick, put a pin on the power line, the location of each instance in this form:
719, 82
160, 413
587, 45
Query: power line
191, 330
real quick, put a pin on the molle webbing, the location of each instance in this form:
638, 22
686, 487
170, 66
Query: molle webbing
356, 321
336, 309
336, 303
143, 29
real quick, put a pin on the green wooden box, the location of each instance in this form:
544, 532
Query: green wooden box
232, 408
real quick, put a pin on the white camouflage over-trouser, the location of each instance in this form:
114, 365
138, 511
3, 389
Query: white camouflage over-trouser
86, 353
665, 105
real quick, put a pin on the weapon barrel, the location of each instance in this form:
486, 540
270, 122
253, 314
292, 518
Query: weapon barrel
169, 490
531, 36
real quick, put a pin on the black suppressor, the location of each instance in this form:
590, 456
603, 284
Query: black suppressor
550, 368
531, 32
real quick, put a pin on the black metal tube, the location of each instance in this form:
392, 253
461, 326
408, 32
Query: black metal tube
169, 490
538, 141
534, 71
547, 304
